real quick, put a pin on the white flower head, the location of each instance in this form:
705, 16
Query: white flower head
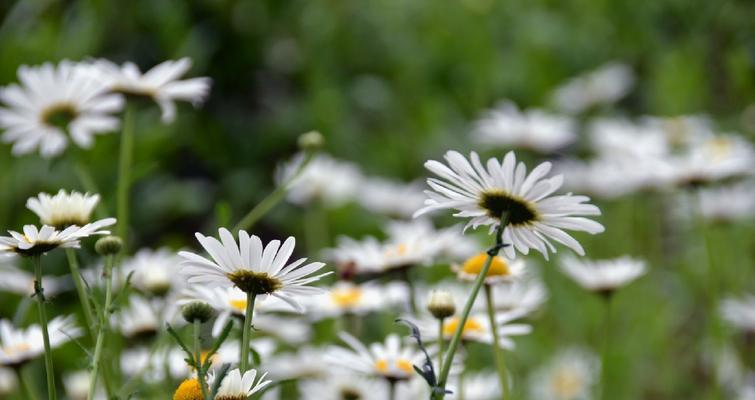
236, 386
53, 103
477, 386
603, 276
325, 179
523, 295
346, 297
729, 203
569, 376
739, 312
255, 269
18, 346
35, 241
390, 198
161, 83
389, 360
535, 216
154, 271
339, 386
604, 85
477, 328
21, 282
63, 209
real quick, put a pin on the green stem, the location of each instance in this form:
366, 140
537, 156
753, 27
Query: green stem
500, 361
412, 291
439, 393
39, 293
244, 361
275, 197
606, 348
124, 174
441, 343
104, 324
21, 310
462, 392
26, 388
73, 263
391, 389
198, 360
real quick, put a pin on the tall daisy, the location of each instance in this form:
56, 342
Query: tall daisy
161, 83
36, 241
604, 276
504, 189
53, 103
570, 375
236, 386
63, 209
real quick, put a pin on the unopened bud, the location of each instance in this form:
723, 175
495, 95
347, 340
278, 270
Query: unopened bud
108, 245
312, 140
441, 304
197, 310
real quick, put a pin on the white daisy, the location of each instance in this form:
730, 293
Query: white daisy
252, 268
21, 282
306, 363
739, 312
8, 381
477, 386
142, 318
239, 387
477, 328
604, 85
35, 241
154, 271
570, 375
76, 385
63, 209
161, 83
383, 196
389, 360
535, 217
603, 276
339, 386
729, 203
325, 179
522, 295
346, 297
18, 346
501, 270
714, 159
52, 103
538, 130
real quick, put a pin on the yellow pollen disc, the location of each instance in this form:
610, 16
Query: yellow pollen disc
566, 384
474, 265
346, 297
399, 250
17, 348
381, 365
405, 365
188, 390
402, 364
470, 327
239, 304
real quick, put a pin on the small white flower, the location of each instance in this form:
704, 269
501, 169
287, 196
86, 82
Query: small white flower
477, 328
255, 269
477, 386
142, 318
717, 158
535, 216
522, 295
63, 209
18, 346
739, 312
350, 298
389, 360
603, 276
324, 179
154, 271
729, 203
538, 130
339, 386
570, 375
21, 282
604, 85
238, 387
390, 198
306, 363
54, 102
36, 241
8, 381
161, 83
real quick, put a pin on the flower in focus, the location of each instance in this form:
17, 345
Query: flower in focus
534, 216
35, 241
325, 179
603, 276
254, 269
739, 312
604, 85
189, 389
63, 209
161, 83
52, 103
570, 375
501, 270
389, 360
19, 346
239, 387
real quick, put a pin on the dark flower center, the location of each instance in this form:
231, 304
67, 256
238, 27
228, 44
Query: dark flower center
350, 394
254, 282
496, 202
59, 115
39, 248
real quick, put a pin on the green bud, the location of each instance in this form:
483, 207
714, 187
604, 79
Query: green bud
311, 141
108, 245
441, 304
197, 310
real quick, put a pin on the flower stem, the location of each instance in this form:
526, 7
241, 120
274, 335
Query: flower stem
124, 174
244, 360
73, 263
606, 348
439, 392
103, 327
39, 293
412, 291
26, 388
391, 389
198, 359
500, 361
441, 343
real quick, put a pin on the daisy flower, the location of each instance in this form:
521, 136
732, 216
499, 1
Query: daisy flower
346, 297
387, 197
325, 179
306, 363
477, 386
76, 385
477, 328
521, 295
35, 241
729, 203
569, 376
142, 318
63, 209
154, 271
604, 85
254, 269
161, 83
19, 346
52, 103
739, 312
20, 282
603, 276
501, 270
239, 387
339, 386
389, 360
534, 215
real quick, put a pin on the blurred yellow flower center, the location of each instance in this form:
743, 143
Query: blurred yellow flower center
16, 348
238, 304
470, 327
720, 147
398, 250
473, 266
346, 297
566, 384
188, 390
403, 364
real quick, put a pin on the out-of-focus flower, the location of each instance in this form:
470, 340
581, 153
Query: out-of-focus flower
34, 241
18, 281
477, 386
358, 299
500, 271
8, 381
603, 276
390, 198
534, 216
306, 363
21, 345
537, 130
714, 159
63, 209
604, 85
52, 103
339, 386
729, 203
142, 318
325, 179
76, 385
570, 375
523, 295
154, 271
256, 270
440, 304
236, 386
389, 360
740, 312
161, 83
477, 328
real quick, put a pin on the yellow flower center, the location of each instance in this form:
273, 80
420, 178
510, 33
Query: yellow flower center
16, 348
397, 251
346, 297
566, 384
238, 304
720, 147
474, 265
188, 390
383, 367
472, 326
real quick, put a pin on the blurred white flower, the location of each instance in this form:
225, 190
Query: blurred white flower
570, 375
614, 177
154, 271
63, 209
8, 381
714, 159
604, 85
324, 179
143, 318
501, 270
161, 83
21, 345
739, 312
728, 203
236, 386
306, 363
389, 360
534, 216
35, 241
537, 130
477, 386
603, 276
346, 297
477, 328
52, 103
390, 198
523, 295
76, 385
339, 386
21, 282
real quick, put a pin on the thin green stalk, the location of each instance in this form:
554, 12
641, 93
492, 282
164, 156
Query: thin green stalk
124, 174
26, 388
456, 339
391, 389
500, 361
316, 233
198, 358
441, 343
73, 263
22, 310
606, 348
244, 361
275, 197
412, 291
462, 392
39, 293
104, 326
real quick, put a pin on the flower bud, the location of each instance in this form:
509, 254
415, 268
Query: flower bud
108, 245
197, 310
441, 304
310, 141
